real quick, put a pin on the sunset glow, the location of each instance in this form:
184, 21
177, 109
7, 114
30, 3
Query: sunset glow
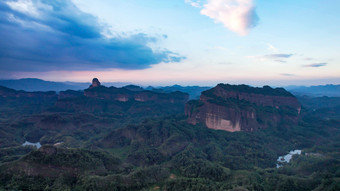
187, 42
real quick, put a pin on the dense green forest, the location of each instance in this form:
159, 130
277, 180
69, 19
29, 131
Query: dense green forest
115, 149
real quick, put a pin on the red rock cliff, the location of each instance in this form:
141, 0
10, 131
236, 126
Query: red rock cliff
243, 108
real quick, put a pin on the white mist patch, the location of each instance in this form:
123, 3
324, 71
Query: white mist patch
286, 158
38, 145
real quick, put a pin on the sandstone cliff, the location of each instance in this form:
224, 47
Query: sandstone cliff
124, 95
243, 108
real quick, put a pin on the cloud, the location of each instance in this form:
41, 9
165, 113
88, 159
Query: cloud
315, 65
40, 35
287, 74
272, 47
282, 61
237, 15
194, 3
23, 6
273, 57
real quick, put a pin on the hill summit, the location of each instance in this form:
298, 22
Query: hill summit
95, 83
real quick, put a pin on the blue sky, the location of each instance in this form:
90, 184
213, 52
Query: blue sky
163, 42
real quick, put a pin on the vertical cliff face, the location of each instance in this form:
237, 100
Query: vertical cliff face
243, 108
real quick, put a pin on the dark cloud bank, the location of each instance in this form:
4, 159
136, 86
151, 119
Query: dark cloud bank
56, 35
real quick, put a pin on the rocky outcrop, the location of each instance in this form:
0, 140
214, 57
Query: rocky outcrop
124, 95
129, 100
95, 83
243, 108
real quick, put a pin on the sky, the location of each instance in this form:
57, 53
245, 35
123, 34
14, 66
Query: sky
166, 42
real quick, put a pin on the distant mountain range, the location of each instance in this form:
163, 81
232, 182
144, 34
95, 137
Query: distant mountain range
33, 84
329, 90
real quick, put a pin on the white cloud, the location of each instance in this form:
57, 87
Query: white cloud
23, 6
28, 7
272, 57
194, 3
237, 15
28, 24
272, 48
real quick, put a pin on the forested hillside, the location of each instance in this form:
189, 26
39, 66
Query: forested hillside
115, 149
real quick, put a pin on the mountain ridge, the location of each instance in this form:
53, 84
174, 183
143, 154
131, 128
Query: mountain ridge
35, 84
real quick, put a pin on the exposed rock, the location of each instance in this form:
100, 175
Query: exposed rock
95, 83
122, 101
243, 108
123, 95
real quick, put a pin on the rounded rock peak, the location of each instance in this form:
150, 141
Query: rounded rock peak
95, 83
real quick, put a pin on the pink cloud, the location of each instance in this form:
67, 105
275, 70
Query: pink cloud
237, 15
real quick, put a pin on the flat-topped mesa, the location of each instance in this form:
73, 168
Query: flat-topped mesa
265, 96
243, 108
